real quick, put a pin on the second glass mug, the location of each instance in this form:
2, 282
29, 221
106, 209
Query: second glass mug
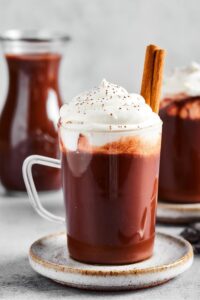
110, 192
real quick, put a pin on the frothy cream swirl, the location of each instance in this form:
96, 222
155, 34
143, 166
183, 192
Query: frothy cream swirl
108, 107
185, 80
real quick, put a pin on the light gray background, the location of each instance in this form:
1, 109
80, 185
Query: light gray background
109, 36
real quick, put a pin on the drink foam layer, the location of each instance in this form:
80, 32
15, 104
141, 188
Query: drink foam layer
108, 109
185, 80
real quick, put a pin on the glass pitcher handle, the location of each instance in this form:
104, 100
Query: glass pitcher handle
30, 186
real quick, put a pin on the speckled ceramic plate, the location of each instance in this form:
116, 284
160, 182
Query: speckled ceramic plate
172, 256
178, 213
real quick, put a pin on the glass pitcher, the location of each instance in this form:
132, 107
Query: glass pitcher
28, 121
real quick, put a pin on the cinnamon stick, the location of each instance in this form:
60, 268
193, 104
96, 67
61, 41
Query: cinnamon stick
157, 79
147, 77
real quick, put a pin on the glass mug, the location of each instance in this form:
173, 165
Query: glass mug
110, 192
180, 155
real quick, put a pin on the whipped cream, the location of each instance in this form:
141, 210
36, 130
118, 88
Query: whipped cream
108, 107
185, 80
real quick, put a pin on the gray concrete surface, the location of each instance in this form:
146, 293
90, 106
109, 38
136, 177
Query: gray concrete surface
20, 226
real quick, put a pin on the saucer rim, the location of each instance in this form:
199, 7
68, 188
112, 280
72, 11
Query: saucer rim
136, 272
181, 207
177, 213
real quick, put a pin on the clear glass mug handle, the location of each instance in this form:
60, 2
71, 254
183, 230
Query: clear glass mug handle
30, 186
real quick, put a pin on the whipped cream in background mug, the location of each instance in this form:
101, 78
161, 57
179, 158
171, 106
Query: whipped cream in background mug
183, 80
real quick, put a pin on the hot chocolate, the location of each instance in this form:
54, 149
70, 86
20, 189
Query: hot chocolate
180, 155
110, 145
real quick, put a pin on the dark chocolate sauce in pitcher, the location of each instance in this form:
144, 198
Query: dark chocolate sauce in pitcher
28, 122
